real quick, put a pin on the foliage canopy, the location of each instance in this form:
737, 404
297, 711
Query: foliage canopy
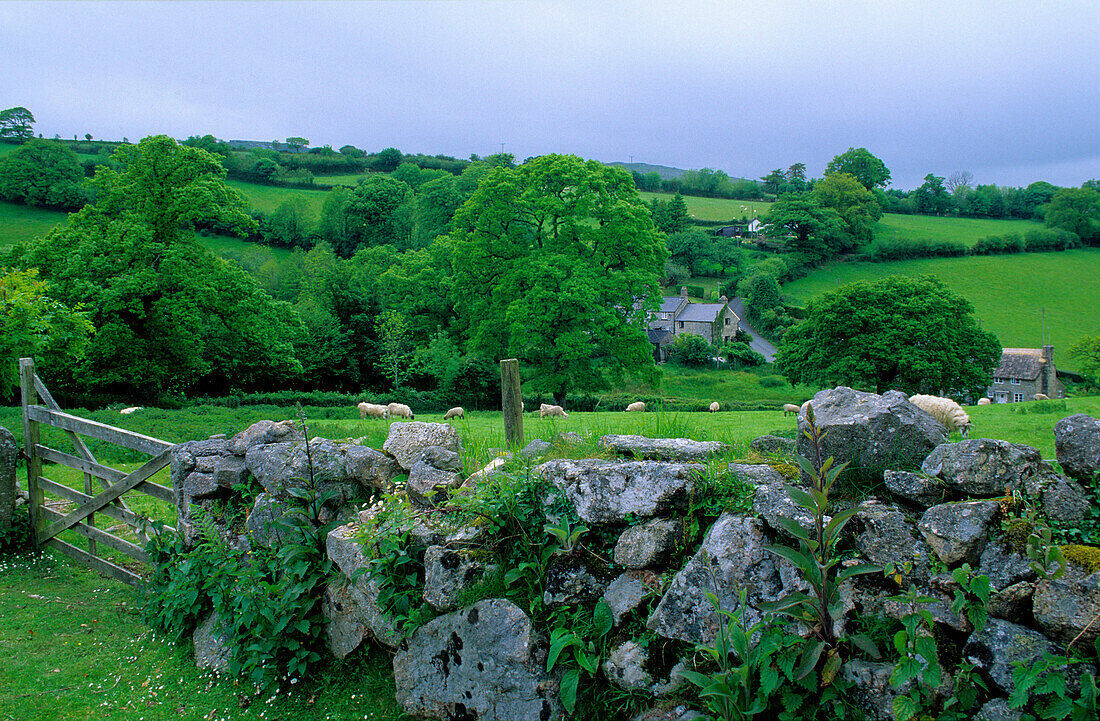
911, 334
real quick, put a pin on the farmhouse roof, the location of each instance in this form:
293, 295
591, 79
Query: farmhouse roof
707, 312
1022, 363
659, 336
669, 304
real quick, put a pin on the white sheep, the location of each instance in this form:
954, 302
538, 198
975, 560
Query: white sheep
400, 410
552, 411
373, 410
456, 412
789, 408
714, 407
131, 409
1041, 397
636, 407
944, 410
984, 401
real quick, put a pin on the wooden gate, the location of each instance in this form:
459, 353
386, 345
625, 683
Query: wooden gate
47, 523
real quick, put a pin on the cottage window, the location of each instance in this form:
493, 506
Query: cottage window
1017, 397
1015, 381
998, 380
681, 325
727, 321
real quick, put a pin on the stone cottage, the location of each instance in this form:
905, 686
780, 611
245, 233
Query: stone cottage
715, 322
1022, 373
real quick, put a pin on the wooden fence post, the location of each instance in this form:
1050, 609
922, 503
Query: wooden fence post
511, 401
30, 440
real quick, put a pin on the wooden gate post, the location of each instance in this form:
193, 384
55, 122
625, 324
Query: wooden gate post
511, 401
30, 440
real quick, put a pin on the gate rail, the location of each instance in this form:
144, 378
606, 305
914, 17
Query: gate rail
47, 523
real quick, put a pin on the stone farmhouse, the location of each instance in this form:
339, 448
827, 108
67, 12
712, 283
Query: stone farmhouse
1022, 373
715, 322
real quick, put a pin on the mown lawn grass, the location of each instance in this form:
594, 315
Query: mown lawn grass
1009, 292
714, 208
22, 223
965, 230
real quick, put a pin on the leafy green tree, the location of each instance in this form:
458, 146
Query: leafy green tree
1078, 211
932, 197
911, 334
379, 212
437, 201
290, 225
1087, 351
855, 205
808, 226
16, 124
34, 325
395, 347
170, 316
670, 217
796, 175
351, 151
774, 179
388, 160
208, 143
296, 144
690, 349
870, 171
557, 263
334, 227
763, 294
43, 172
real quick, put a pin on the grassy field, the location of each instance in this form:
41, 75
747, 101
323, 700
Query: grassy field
349, 179
715, 208
20, 223
267, 198
1008, 291
967, 230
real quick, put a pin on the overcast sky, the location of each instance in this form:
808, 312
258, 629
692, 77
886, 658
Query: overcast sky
1007, 90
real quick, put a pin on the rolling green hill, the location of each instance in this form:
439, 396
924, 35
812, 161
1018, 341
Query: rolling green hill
967, 230
1008, 291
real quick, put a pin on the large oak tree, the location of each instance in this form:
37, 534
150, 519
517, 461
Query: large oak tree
556, 263
911, 334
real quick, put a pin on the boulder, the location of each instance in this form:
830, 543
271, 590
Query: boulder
607, 492
1012, 603
661, 449
1002, 643
1077, 446
406, 440
371, 468
998, 710
360, 595
985, 467
211, 641
887, 536
263, 524
282, 466
774, 444
347, 621
648, 544
756, 474
264, 433
626, 666
1068, 607
536, 449
626, 593
441, 458
772, 501
958, 532
916, 488
669, 712
230, 471
570, 579
427, 485
1004, 566
870, 432
1062, 499
9, 456
732, 558
448, 573
199, 485
483, 662
872, 692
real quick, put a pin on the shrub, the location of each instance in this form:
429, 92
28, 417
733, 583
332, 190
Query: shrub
690, 349
1048, 239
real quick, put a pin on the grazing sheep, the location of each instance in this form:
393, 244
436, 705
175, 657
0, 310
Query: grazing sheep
1041, 397
400, 410
714, 407
456, 412
373, 410
789, 408
984, 401
131, 409
552, 411
944, 410
636, 407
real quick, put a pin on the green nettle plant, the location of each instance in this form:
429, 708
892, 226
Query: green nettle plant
579, 653
819, 564
1041, 687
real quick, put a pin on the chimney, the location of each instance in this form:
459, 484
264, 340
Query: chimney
683, 291
1048, 368
1048, 353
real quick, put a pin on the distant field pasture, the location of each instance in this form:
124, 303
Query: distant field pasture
1008, 291
966, 230
21, 223
714, 208
267, 198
